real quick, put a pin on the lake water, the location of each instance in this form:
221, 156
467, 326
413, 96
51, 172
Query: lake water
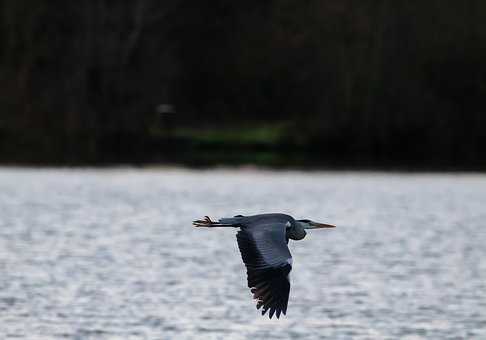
111, 254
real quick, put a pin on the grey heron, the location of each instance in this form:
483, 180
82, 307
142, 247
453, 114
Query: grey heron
262, 240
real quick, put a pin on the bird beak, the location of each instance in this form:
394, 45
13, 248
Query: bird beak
316, 225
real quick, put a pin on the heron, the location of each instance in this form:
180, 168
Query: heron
262, 240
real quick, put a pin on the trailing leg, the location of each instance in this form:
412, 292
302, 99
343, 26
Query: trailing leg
206, 222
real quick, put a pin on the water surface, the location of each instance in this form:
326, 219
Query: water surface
111, 254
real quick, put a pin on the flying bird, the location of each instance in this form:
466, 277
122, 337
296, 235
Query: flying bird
262, 240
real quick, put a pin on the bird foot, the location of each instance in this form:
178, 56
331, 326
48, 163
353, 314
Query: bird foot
206, 222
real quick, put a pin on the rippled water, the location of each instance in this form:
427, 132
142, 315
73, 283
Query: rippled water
111, 254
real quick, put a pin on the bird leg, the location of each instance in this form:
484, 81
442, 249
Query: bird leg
206, 222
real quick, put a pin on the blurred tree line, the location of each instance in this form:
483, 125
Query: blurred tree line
351, 81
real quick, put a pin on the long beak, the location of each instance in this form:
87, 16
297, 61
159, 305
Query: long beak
316, 225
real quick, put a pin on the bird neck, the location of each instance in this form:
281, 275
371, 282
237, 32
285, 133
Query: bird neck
296, 231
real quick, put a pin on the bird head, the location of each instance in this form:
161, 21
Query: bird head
296, 231
308, 224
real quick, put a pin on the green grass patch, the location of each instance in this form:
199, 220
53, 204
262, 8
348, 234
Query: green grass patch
258, 135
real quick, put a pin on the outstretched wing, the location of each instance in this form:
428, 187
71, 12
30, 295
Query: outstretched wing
268, 262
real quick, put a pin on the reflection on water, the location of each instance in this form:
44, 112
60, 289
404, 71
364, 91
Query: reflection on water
111, 254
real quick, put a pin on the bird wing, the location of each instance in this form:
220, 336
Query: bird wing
268, 262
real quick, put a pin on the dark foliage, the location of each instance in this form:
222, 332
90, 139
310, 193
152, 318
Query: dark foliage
361, 82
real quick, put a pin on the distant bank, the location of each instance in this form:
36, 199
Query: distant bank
206, 150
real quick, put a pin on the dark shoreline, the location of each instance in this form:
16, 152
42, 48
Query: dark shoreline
342, 167
195, 152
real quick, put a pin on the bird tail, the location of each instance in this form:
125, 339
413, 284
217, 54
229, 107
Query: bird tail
206, 222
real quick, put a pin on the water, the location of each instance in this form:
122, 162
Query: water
111, 254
